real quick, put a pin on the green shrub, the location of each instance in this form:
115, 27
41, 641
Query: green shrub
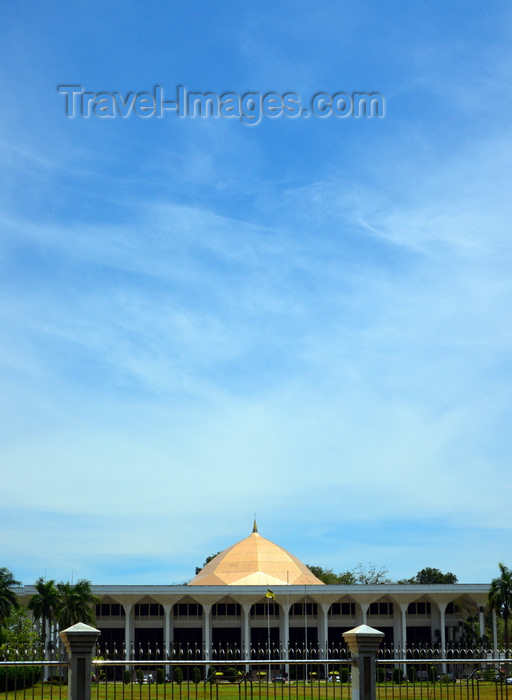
139, 675
19, 677
196, 675
398, 676
230, 675
381, 674
160, 676
344, 674
178, 675
127, 677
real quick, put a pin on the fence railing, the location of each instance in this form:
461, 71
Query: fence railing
187, 673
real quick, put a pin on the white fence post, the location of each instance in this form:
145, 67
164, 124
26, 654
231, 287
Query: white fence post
80, 640
363, 642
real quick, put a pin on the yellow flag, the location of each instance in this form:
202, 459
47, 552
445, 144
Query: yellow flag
269, 594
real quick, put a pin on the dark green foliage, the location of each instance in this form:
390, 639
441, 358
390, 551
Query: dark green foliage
18, 677
196, 675
178, 675
500, 598
8, 598
398, 676
344, 674
160, 676
381, 674
127, 677
368, 575
412, 674
139, 675
429, 575
230, 675
75, 603
44, 604
207, 561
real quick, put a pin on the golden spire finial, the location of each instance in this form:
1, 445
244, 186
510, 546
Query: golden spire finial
255, 526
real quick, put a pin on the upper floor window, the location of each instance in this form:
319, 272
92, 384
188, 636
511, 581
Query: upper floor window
148, 610
226, 610
187, 610
419, 608
264, 609
343, 609
107, 611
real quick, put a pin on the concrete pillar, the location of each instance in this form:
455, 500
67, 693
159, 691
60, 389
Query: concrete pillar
442, 627
284, 634
323, 632
363, 642
246, 630
80, 641
168, 630
207, 631
481, 616
364, 611
128, 628
495, 634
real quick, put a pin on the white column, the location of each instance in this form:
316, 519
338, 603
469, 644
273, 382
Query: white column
442, 624
403, 633
168, 634
168, 629
284, 633
494, 634
207, 630
246, 632
128, 628
323, 637
364, 611
482, 621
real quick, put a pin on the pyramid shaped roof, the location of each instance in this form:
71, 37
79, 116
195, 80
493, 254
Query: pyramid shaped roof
255, 561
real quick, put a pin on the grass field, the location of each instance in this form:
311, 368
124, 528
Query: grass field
263, 691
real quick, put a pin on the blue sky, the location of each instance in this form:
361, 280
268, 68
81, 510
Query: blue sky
306, 319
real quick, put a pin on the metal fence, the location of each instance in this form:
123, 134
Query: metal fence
186, 673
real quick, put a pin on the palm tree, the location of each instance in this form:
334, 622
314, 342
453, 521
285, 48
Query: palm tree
44, 605
8, 598
76, 603
500, 597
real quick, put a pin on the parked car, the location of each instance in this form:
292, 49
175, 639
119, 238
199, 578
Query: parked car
446, 678
279, 678
334, 678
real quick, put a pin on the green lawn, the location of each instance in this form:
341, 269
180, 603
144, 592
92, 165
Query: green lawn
263, 691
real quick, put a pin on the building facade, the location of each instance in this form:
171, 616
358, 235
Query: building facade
255, 595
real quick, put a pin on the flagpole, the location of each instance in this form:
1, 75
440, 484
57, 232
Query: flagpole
268, 637
269, 595
306, 628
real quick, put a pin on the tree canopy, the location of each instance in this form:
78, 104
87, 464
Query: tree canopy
364, 575
429, 575
8, 598
44, 604
207, 561
500, 597
75, 603
374, 575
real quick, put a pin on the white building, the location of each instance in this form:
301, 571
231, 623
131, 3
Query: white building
228, 604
